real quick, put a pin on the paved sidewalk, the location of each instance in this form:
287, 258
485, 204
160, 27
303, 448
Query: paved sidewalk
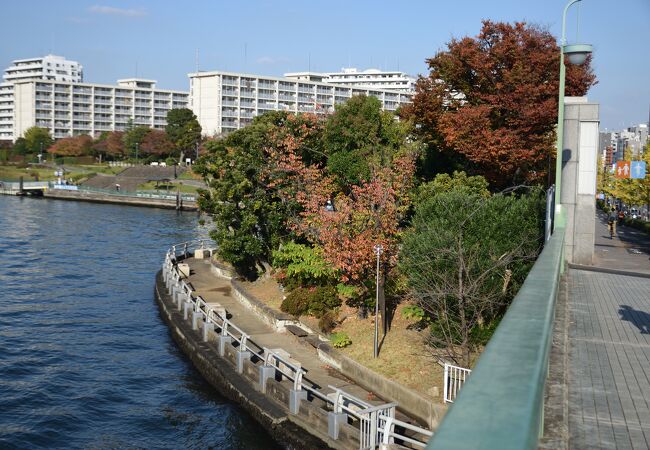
629, 250
217, 290
609, 361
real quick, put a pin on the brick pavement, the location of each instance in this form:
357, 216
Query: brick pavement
609, 361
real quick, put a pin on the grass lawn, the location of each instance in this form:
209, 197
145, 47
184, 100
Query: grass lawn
167, 187
403, 356
13, 173
189, 175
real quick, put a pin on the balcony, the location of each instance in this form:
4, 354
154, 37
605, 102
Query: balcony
266, 95
229, 81
247, 93
229, 103
81, 109
271, 106
64, 90
229, 113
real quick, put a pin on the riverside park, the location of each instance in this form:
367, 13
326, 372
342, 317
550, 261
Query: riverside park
361, 259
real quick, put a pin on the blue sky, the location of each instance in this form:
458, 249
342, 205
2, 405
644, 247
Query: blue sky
158, 39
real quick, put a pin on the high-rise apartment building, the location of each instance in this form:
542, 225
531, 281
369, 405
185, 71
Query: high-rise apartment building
365, 79
50, 67
225, 101
71, 109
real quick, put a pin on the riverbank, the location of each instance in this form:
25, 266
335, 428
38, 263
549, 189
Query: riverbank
275, 357
132, 200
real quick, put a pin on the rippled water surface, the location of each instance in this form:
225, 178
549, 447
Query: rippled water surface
85, 360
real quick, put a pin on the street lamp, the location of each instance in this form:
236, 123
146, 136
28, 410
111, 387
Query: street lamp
577, 54
378, 251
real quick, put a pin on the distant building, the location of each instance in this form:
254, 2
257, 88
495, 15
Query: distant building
71, 109
366, 79
49, 67
224, 101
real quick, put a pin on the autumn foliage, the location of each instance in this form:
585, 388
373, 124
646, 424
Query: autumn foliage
493, 100
72, 146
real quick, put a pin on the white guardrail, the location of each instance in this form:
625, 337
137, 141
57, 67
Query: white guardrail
453, 380
377, 424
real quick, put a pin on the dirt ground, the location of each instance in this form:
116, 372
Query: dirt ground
403, 357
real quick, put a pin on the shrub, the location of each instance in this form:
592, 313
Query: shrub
315, 301
328, 322
302, 265
323, 299
297, 302
340, 339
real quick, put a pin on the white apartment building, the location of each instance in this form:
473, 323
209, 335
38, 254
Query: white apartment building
225, 101
50, 67
366, 79
71, 109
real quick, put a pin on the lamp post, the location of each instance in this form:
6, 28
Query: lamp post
577, 54
137, 145
378, 251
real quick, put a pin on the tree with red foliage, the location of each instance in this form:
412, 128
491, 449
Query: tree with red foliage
364, 214
72, 146
111, 145
493, 100
156, 143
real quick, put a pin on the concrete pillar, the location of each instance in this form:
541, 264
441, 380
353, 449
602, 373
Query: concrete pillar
294, 400
196, 317
579, 170
265, 373
187, 306
207, 329
334, 422
241, 357
222, 341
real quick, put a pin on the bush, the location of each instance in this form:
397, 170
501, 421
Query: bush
302, 265
297, 302
315, 301
328, 322
340, 339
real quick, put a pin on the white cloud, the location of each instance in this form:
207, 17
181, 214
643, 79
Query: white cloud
110, 10
271, 60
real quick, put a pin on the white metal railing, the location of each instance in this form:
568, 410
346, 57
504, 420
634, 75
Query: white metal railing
377, 423
413, 435
454, 379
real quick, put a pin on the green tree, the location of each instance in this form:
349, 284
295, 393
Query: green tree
20, 147
474, 185
465, 257
360, 138
183, 130
250, 219
37, 139
133, 139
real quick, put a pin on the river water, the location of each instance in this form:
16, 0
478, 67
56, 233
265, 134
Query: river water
85, 360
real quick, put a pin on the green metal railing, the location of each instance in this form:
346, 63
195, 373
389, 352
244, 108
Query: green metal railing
501, 406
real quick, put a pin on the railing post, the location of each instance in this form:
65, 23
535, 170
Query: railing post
446, 382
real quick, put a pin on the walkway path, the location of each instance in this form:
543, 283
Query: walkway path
629, 250
599, 383
217, 290
609, 361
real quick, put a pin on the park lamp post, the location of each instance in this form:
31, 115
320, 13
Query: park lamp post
577, 54
378, 251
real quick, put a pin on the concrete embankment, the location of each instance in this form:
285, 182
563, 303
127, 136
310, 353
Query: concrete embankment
290, 430
258, 357
97, 197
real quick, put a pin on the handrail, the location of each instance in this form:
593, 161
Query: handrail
389, 434
341, 402
501, 405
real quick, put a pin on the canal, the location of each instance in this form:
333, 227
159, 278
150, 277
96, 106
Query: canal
85, 360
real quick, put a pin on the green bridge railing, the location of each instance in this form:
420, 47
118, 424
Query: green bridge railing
501, 406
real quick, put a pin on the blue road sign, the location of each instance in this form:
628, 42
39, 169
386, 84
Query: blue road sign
637, 169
